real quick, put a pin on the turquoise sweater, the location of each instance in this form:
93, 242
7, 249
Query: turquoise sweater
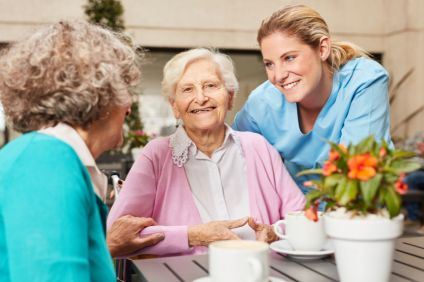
51, 222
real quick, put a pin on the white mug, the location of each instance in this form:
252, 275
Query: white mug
238, 260
302, 233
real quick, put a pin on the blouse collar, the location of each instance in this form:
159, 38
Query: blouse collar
70, 136
181, 143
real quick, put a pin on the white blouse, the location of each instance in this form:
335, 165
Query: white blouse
219, 183
70, 136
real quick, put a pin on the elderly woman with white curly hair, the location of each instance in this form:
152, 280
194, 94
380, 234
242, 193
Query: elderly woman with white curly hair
206, 181
68, 88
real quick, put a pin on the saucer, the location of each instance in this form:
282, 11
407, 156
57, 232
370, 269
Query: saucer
283, 247
270, 279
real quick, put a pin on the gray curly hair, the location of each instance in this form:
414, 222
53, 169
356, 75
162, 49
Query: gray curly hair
175, 67
70, 72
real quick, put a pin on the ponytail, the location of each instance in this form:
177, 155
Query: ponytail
308, 26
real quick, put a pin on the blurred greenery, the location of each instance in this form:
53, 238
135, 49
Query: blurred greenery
106, 13
109, 13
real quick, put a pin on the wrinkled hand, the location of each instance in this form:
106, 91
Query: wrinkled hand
264, 232
204, 234
123, 237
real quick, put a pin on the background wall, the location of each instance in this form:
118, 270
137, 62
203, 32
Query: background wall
392, 27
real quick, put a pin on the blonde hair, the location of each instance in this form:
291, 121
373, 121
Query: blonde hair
175, 68
307, 25
67, 72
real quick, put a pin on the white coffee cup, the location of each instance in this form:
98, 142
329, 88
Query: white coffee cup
302, 233
238, 260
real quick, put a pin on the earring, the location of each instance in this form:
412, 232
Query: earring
178, 122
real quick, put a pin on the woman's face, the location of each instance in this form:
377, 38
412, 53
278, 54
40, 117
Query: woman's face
295, 68
113, 126
201, 99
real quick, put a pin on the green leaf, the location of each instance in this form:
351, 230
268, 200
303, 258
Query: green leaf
330, 184
352, 150
398, 154
392, 201
369, 189
312, 196
390, 176
336, 147
404, 166
384, 144
341, 187
349, 192
332, 180
365, 145
310, 171
329, 205
381, 195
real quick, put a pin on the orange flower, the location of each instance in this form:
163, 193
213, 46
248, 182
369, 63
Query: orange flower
400, 185
312, 213
383, 152
328, 168
362, 167
334, 155
308, 184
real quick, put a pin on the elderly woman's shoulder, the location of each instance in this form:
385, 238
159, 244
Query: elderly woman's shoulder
35, 141
159, 144
37, 148
251, 138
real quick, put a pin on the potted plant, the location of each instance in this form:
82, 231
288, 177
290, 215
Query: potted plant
361, 186
135, 140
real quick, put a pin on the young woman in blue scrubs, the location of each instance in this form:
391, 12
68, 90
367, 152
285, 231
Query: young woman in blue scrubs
317, 90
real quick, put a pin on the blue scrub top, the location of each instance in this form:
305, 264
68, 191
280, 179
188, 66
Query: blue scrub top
358, 106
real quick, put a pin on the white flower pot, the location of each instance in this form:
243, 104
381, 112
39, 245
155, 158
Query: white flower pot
364, 247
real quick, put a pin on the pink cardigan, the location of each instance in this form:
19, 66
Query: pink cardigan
155, 187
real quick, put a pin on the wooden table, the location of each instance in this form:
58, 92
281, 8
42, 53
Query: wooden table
408, 266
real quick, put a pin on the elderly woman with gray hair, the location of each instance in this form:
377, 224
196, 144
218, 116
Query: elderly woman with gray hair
206, 181
68, 89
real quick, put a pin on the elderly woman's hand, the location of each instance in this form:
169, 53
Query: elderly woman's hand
123, 237
264, 232
204, 234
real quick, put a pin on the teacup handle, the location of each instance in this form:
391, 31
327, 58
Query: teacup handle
278, 230
257, 269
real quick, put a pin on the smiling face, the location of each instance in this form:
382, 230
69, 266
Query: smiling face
201, 99
295, 68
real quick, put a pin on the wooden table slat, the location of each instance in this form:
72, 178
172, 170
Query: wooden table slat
187, 269
407, 271
408, 266
291, 269
274, 273
154, 271
417, 241
395, 278
324, 268
410, 260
